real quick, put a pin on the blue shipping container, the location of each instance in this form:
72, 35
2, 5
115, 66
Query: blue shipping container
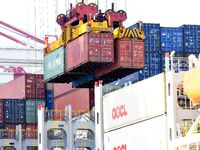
49, 100
153, 65
152, 36
171, 39
197, 38
189, 38
14, 111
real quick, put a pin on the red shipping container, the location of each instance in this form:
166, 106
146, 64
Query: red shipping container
40, 86
1, 111
31, 131
10, 131
59, 88
79, 99
129, 56
138, 54
27, 86
20, 88
89, 51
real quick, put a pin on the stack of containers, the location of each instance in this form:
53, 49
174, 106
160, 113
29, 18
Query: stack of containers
20, 99
152, 50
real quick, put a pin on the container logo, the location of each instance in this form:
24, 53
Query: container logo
119, 112
122, 147
56, 62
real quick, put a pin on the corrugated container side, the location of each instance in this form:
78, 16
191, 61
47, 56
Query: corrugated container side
25, 88
49, 100
40, 86
30, 111
177, 39
30, 86
89, 51
153, 65
189, 38
130, 105
166, 39
152, 37
139, 136
14, 111
197, 39
54, 63
137, 54
20, 108
31, 131
1, 111
9, 111
59, 88
79, 99
129, 56
10, 131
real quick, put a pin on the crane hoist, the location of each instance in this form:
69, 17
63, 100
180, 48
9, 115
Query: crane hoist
86, 18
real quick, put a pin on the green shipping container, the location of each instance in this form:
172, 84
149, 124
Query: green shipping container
31, 110
54, 64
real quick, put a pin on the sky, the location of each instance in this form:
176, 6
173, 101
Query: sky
38, 16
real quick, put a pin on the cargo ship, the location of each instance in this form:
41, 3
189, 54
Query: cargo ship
77, 106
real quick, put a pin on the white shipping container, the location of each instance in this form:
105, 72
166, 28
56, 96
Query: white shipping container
134, 103
145, 135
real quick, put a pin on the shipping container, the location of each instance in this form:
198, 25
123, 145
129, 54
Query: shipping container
40, 86
189, 38
197, 38
152, 36
54, 64
1, 111
54, 67
31, 109
134, 103
20, 108
89, 52
171, 39
60, 88
24, 87
129, 58
80, 100
49, 100
146, 135
153, 65
9, 111
14, 111
10, 131
30, 131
